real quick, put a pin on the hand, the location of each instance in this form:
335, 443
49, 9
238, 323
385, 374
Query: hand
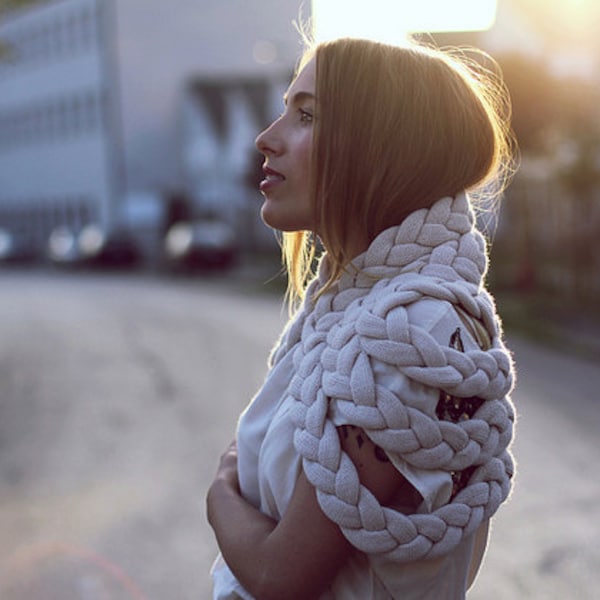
227, 470
225, 480
257, 548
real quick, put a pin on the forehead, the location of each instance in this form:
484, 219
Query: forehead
305, 82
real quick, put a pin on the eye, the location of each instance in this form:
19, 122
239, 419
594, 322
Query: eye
305, 116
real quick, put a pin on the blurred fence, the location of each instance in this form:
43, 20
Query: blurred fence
548, 242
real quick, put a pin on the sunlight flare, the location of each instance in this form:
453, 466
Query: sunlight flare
392, 20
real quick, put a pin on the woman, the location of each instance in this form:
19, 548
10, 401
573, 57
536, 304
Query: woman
370, 462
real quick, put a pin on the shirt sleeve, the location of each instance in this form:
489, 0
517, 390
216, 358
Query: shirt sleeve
440, 320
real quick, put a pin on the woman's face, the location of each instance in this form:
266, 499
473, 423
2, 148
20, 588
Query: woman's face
287, 146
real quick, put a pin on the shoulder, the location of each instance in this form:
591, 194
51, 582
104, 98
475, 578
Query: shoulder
431, 314
389, 308
440, 319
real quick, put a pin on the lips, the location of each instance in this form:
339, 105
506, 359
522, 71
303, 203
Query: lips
272, 178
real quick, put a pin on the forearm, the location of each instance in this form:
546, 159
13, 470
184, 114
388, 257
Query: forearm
241, 532
294, 558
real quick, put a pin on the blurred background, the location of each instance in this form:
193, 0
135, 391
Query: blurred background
127, 128
134, 269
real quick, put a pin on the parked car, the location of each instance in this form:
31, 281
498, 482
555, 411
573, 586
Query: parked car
202, 244
110, 249
93, 246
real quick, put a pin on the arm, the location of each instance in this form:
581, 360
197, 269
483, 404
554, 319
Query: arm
295, 558
299, 556
377, 473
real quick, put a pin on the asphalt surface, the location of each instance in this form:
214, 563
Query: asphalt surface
118, 393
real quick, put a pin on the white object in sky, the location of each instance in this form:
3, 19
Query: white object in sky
391, 21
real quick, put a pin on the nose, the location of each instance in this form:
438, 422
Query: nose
267, 142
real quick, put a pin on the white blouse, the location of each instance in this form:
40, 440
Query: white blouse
269, 466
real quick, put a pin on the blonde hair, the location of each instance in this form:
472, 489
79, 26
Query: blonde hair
396, 129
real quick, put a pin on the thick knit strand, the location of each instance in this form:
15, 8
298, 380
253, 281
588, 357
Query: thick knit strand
435, 253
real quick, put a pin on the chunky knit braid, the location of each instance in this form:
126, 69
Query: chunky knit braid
435, 253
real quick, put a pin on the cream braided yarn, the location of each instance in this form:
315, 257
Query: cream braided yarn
435, 253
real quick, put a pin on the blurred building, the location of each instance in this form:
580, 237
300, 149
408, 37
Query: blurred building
221, 166
57, 146
97, 95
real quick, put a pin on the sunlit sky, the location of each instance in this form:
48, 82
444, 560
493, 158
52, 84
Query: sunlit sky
391, 20
563, 21
562, 32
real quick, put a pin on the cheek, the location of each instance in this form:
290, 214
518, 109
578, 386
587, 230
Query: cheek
305, 155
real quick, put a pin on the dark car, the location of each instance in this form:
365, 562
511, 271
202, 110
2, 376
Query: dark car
202, 244
93, 246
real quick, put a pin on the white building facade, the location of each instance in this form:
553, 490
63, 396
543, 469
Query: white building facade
91, 95
55, 138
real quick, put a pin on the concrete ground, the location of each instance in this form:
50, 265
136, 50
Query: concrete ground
118, 393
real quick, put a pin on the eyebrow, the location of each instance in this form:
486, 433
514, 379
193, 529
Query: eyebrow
298, 97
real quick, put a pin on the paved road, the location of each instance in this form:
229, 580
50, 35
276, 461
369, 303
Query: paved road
118, 393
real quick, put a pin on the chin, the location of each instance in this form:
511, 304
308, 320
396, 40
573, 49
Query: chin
282, 222
268, 218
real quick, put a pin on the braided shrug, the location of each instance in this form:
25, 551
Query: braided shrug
435, 253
